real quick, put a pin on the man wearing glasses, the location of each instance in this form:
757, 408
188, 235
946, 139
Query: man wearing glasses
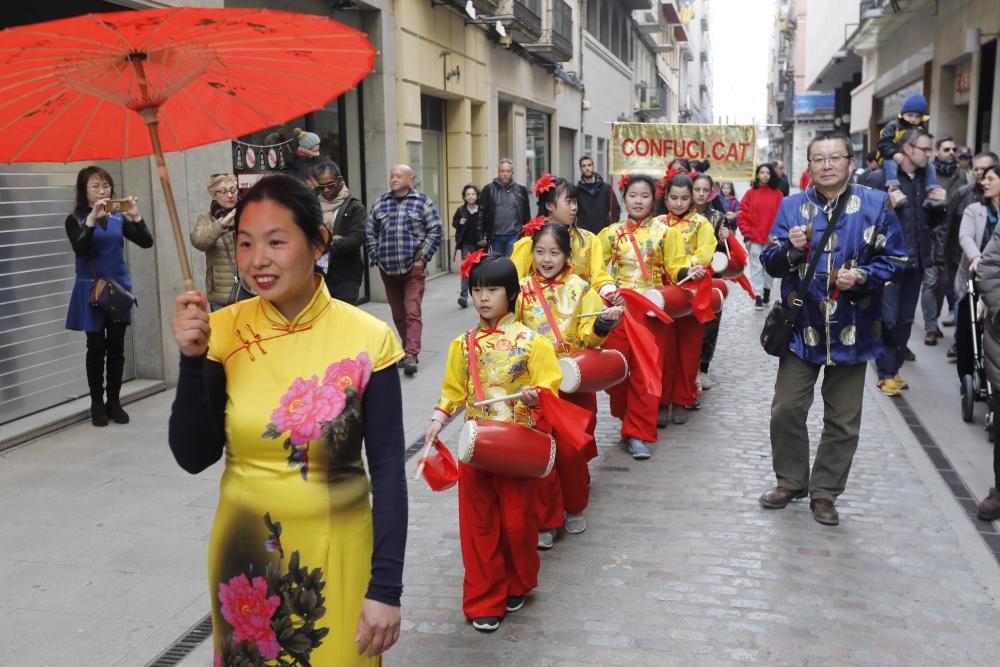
839, 328
932, 293
344, 215
899, 303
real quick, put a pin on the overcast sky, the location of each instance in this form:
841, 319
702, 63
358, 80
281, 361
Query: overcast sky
741, 40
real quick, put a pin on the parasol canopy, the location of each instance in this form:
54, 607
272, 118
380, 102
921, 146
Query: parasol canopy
134, 83
75, 89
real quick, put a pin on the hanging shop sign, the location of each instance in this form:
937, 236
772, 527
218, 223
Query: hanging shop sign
649, 147
252, 162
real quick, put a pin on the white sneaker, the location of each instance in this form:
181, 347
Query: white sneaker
546, 538
706, 382
575, 523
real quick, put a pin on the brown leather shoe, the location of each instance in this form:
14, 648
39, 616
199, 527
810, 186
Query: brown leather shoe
824, 511
989, 509
779, 497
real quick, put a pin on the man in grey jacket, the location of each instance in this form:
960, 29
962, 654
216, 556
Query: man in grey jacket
505, 209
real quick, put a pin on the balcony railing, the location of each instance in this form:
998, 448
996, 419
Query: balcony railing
522, 18
556, 41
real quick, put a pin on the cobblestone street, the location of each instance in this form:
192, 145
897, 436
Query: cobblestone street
104, 551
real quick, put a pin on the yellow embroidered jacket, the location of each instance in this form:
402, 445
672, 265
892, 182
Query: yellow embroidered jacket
568, 295
587, 260
693, 245
620, 243
509, 357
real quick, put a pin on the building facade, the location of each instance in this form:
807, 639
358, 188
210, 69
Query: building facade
456, 86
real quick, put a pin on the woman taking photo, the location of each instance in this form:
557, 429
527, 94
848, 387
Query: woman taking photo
213, 235
98, 239
755, 218
287, 384
467, 222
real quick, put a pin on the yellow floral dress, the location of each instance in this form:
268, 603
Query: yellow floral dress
693, 245
587, 260
510, 357
623, 243
290, 556
568, 295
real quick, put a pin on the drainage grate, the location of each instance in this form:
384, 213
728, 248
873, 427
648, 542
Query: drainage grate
185, 644
986, 529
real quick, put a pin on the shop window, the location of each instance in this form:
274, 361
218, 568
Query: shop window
537, 154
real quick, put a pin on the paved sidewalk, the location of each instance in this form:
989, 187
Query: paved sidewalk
105, 540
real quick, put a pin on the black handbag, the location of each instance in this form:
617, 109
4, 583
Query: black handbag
112, 299
776, 335
108, 295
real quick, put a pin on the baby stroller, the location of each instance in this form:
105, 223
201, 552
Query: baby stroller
976, 387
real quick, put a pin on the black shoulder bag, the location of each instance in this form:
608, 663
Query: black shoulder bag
776, 335
108, 295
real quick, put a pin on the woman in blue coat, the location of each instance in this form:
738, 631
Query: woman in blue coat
98, 239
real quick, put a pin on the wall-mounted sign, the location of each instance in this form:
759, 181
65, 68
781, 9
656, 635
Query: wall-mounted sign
963, 83
251, 162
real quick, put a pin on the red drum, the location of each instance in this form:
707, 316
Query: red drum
676, 300
722, 286
737, 262
720, 261
506, 449
717, 299
592, 370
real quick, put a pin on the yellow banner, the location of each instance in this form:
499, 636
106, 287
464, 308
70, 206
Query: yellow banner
648, 148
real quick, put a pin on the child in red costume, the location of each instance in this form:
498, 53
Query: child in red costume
562, 496
497, 521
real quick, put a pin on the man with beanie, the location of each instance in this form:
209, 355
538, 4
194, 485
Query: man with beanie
912, 115
597, 206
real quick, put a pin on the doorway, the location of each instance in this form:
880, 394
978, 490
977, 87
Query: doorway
432, 167
567, 154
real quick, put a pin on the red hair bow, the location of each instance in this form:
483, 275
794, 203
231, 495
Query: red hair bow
470, 261
543, 185
623, 182
533, 225
664, 183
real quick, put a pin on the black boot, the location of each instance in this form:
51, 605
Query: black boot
116, 368
767, 295
96, 348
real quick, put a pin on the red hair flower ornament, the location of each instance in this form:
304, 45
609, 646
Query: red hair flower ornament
623, 182
543, 185
533, 225
470, 261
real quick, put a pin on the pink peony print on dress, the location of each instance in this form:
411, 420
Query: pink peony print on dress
311, 410
248, 608
275, 617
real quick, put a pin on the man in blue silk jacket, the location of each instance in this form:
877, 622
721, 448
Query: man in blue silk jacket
839, 328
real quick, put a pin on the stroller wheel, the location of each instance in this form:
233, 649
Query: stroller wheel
968, 397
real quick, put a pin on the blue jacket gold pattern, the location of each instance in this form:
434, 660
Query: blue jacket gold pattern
847, 329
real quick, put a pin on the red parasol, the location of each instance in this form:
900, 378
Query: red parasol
85, 88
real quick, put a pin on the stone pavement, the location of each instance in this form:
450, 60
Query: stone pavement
104, 544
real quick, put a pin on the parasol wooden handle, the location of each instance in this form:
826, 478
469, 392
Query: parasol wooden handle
597, 314
149, 115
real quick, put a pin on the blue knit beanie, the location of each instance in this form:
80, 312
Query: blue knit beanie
916, 103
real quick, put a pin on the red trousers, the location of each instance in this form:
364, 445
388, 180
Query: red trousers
682, 361
630, 401
405, 294
499, 534
567, 487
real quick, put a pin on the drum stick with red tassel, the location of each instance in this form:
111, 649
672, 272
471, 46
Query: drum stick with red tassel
423, 455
